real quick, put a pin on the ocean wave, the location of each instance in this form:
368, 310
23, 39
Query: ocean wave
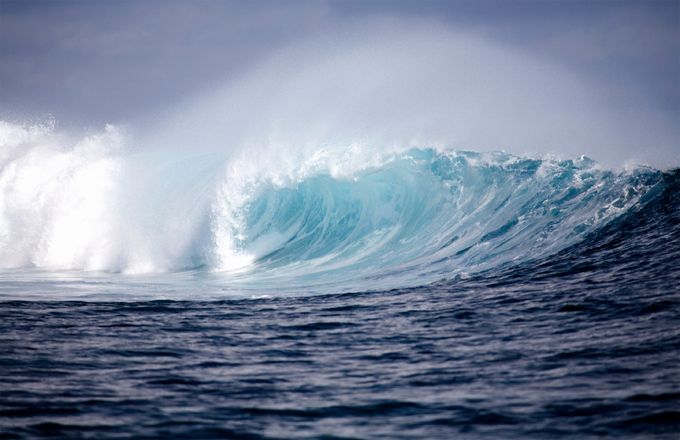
343, 218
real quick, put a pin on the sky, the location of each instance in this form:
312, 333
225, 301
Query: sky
610, 68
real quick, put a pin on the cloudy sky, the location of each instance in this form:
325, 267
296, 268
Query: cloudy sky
87, 63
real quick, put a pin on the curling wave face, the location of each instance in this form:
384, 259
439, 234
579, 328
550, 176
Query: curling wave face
322, 220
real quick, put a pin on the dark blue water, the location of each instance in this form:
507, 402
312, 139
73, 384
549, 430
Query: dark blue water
581, 344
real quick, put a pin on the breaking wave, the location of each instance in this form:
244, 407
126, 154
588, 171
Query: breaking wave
351, 217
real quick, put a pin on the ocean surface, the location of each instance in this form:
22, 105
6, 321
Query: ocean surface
412, 294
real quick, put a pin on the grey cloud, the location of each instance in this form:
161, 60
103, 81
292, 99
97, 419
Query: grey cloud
91, 62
